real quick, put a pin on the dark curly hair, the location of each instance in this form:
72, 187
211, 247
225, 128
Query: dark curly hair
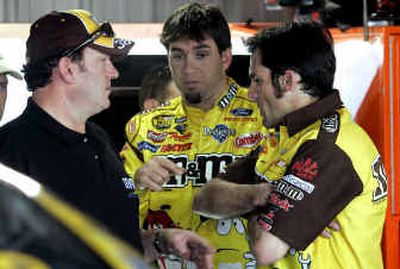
38, 74
306, 48
196, 21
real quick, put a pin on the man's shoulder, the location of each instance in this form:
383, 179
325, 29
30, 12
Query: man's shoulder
237, 96
155, 117
16, 137
16, 129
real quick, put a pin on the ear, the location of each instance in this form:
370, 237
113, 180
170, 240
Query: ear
289, 81
227, 58
66, 70
150, 103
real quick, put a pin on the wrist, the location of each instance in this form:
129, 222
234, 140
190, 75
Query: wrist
159, 242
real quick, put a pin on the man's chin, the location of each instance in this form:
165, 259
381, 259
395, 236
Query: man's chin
193, 98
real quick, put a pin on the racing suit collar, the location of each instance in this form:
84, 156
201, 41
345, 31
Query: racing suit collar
305, 116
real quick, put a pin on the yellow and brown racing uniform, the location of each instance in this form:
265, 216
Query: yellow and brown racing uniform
203, 143
324, 167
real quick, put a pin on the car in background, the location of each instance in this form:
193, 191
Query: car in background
38, 230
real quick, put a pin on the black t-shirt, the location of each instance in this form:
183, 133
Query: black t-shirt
84, 169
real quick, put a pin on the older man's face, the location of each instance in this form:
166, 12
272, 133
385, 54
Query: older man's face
3, 93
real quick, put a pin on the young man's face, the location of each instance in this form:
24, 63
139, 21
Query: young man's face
198, 69
94, 77
262, 90
3, 93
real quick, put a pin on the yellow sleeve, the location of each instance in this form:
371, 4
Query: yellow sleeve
131, 155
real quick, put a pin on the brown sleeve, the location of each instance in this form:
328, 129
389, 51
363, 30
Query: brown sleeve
318, 184
242, 171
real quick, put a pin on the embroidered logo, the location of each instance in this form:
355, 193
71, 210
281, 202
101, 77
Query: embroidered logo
330, 123
220, 132
179, 137
299, 183
241, 112
176, 147
289, 191
276, 200
306, 169
237, 119
156, 137
226, 100
181, 120
248, 140
162, 121
181, 128
129, 184
131, 127
147, 146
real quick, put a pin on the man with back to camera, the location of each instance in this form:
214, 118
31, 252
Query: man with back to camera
322, 166
181, 146
69, 71
157, 87
4, 72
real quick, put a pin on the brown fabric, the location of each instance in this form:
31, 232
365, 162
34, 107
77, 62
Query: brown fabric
299, 119
57, 32
242, 171
335, 185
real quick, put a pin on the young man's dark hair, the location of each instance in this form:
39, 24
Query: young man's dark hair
154, 85
197, 20
304, 48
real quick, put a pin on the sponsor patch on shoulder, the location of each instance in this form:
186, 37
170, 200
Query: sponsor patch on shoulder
144, 145
305, 168
227, 98
330, 123
131, 127
161, 122
157, 137
299, 183
241, 112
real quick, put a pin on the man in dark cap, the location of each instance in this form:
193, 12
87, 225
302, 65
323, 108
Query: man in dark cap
69, 71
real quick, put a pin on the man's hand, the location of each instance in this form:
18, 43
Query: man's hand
189, 246
333, 226
156, 172
221, 199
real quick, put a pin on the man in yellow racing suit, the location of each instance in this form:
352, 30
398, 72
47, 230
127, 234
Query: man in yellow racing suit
323, 167
202, 143
175, 149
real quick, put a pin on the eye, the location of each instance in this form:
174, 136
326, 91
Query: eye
202, 54
255, 79
176, 56
239, 225
224, 226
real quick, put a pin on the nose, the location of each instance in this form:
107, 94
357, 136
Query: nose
252, 93
189, 64
112, 71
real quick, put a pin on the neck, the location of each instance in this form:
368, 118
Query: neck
60, 108
209, 101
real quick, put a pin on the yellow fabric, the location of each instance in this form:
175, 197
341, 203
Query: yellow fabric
357, 245
203, 156
91, 25
20, 260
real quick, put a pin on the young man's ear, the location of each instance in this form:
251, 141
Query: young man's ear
289, 80
226, 58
